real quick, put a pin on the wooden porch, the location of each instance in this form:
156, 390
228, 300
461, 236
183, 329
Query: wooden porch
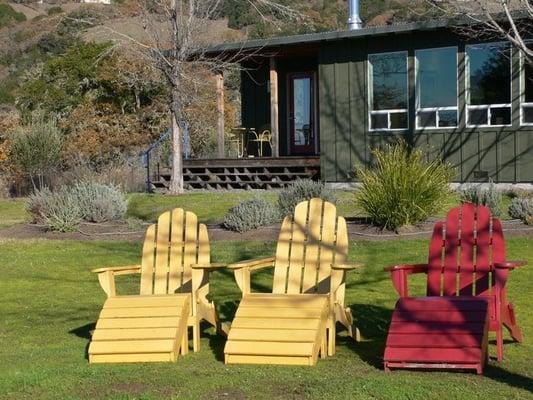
242, 173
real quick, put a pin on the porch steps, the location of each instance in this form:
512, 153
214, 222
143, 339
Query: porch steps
245, 173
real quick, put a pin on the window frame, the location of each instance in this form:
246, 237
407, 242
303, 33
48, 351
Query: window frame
522, 101
437, 109
488, 107
370, 94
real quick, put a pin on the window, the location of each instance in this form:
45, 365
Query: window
436, 88
388, 95
527, 91
488, 85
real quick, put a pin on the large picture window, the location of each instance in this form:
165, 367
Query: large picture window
388, 91
527, 91
436, 88
488, 85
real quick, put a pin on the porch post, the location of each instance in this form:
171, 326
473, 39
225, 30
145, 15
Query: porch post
274, 114
220, 114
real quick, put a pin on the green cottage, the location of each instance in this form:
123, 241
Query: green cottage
330, 97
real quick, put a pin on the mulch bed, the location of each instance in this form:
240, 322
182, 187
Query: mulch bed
358, 229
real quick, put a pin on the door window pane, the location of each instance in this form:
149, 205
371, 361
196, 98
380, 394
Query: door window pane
527, 114
388, 90
302, 111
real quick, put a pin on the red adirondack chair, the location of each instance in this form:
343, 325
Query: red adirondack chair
466, 261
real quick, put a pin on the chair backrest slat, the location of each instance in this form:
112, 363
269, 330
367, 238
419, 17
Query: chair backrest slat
467, 249
308, 244
312, 249
282, 257
462, 252
296, 257
170, 247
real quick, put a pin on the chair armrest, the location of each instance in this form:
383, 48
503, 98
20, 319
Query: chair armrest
399, 275
242, 271
209, 267
124, 269
106, 276
510, 264
409, 268
346, 266
255, 263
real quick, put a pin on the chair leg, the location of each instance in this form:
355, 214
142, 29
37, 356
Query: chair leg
499, 343
509, 321
331, 338
196, 337
324, 345
185, 343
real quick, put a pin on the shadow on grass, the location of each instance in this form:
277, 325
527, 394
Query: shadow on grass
501, 375
84, 332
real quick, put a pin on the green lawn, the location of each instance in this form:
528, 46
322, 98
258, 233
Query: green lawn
12, 212
209, 206
49, 301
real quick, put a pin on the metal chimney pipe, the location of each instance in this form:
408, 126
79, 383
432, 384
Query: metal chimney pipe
354, 20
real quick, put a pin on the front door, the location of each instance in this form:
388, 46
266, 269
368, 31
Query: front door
302, 114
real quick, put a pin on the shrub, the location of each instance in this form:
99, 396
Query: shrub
522, 208
54, 10
9, 15
403, 188
99, 202
485, 195
302, 190
36, 148
57, 211
250, 215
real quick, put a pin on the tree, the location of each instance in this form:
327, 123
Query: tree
511, 20
176, 40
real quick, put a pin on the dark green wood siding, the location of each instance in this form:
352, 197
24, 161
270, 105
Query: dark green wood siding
506, 154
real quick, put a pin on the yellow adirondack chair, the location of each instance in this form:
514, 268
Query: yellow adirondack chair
153, 326
295, 322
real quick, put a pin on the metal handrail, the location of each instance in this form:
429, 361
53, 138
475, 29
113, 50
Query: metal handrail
145, 155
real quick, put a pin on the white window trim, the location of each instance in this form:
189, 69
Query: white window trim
489, 106
389, 112
437, 109
371, 96
523, 103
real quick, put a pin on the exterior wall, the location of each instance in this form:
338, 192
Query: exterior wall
505, 153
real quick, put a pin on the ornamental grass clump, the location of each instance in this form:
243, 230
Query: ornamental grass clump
57, 211
488, 196
65, 208
522, 208
403, 188
302, 190
99, 202
251, 214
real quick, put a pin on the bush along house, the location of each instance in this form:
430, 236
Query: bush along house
329, 98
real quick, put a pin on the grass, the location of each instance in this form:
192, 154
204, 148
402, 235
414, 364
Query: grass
12, 212
209, 206
49, 301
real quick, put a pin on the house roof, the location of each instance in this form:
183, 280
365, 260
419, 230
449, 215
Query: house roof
313, 38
